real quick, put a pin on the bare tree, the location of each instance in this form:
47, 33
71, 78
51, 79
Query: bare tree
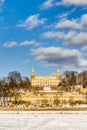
14, 79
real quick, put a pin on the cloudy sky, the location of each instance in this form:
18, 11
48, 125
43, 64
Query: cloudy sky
43, 34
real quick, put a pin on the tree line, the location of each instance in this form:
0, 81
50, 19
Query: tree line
11, 85
70, 79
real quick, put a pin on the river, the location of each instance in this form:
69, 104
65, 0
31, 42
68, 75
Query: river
43, 120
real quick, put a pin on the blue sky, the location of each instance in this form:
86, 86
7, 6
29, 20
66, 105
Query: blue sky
43, 34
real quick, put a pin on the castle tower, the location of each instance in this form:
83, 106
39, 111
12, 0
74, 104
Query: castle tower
32, 73
58, 74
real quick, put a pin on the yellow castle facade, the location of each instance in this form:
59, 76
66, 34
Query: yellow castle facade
45, 82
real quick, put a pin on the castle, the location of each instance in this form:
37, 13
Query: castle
46, 83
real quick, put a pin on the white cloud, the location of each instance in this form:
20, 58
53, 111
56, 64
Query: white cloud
52, 56
64, 15
50, 3
47, 4
68, 24
25, 43
71, 38
32, 22
59, 35
10, 44
82, 63
79, 39
80, 23
72, 2
84, 20
53, 35
84, 48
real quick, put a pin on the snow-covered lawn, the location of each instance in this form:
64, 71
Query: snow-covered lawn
43, 121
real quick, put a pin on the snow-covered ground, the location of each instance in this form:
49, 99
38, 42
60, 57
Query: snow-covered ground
43, 120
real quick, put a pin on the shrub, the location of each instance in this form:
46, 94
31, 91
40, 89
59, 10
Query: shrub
71, 101
56, 102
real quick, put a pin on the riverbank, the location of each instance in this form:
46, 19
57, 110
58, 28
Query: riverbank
44, 109
43, 112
